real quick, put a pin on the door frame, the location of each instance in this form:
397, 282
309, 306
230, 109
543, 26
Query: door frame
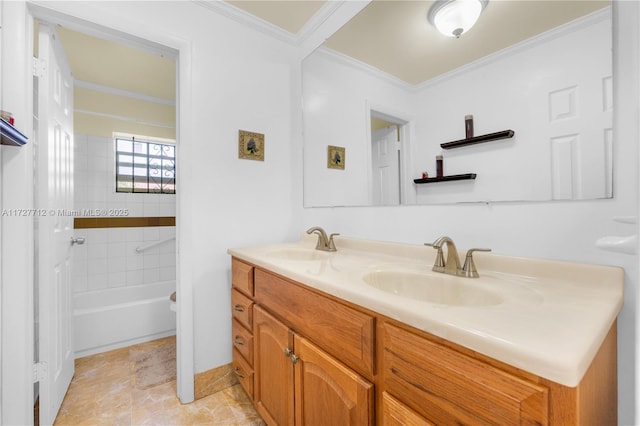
154, 39
405, 128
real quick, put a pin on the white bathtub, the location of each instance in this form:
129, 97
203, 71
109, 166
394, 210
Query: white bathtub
118, 317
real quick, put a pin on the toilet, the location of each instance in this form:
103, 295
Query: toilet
172, 304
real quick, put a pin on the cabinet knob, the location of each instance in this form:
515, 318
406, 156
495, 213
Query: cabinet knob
238, 308
287, 352
294, 358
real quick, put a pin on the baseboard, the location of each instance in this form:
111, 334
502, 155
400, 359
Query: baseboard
214, 380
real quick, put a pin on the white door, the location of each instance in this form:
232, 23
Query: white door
54, 186
386, 166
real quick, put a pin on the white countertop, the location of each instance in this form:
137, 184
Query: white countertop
551, 320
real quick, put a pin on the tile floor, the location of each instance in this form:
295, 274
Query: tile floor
107, 391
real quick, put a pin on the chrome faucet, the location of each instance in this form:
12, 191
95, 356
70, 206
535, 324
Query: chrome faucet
452, 265
324, 243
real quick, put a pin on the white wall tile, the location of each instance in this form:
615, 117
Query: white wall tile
135, 262
151, 234
135, 277
116, 279
167, 273
117, 249
151, 275
151, 261
116, 264
96, 251
79, 283
96, 282
97, 266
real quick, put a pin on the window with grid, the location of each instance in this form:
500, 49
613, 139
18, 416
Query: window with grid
145, 166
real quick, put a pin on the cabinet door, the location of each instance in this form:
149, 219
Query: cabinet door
327, 392
273, 370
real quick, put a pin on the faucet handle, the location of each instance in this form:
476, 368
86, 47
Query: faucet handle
438, 265
332, 244
469, 269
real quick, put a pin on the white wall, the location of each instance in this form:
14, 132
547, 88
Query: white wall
554, 230
339, 94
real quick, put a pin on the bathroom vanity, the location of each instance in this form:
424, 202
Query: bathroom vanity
370, 335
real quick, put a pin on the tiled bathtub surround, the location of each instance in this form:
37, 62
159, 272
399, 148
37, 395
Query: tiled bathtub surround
109, 259
121, 296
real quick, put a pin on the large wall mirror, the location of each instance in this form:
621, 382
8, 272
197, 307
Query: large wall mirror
389, 90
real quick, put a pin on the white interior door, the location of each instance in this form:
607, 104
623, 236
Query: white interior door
54, 186
386, 166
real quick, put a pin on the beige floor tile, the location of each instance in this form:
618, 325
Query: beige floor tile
103, 392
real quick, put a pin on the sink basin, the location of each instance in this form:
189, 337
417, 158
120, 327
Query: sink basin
433, 288
298, 254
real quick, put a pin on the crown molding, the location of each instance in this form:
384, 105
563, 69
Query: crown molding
245, 18
343, 59
123, 118
318, 19
575, 25
121, 92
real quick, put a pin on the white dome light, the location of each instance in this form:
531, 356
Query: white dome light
455, 17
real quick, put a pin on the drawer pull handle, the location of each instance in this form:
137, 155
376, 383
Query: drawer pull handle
239, 341
238, 308
238, 372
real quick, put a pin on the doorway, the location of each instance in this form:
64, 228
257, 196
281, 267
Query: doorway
389, 135
111, 267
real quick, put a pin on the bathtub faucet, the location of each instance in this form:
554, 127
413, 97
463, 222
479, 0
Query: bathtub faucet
324, 243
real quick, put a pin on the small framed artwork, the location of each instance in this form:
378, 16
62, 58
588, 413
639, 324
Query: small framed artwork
335, 157
250, 145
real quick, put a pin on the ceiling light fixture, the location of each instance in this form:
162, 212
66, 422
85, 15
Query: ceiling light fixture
455, 17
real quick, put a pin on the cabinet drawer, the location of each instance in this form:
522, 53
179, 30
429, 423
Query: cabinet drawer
447, 387
243, 372
345, 333
242, 341
242, 309
395, 413
242, 276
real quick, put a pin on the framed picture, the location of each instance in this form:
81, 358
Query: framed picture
335, 157
250, 145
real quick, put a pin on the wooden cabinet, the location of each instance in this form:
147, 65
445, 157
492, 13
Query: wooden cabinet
357, 367
447, 387
298, 383
242, 324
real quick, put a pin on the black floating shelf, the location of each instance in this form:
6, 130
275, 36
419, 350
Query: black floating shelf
505, 134
466, 176
9, 135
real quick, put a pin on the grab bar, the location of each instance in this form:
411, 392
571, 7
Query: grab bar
140, 249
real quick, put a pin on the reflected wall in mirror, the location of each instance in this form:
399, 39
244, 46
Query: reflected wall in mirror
551, 84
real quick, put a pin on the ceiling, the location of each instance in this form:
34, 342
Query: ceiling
391, 35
